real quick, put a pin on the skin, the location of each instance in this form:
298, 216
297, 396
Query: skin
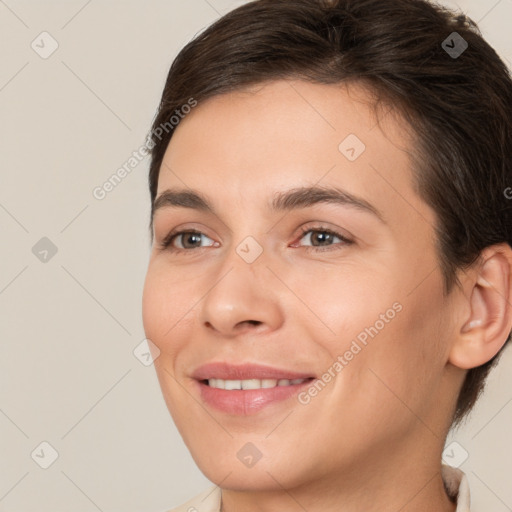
372, 438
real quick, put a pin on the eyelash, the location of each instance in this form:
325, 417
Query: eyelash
166, 243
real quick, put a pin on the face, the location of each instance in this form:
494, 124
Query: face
294, 290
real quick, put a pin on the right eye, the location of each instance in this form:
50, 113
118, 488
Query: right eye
186, 240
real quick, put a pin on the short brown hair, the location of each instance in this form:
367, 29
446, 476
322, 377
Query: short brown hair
459, 106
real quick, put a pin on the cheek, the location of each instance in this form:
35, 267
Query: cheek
390, 339
404, 363
350, 302
166, 306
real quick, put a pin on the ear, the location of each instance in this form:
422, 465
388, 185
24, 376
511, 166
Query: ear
485, 330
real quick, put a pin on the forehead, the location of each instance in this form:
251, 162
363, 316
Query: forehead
243, 146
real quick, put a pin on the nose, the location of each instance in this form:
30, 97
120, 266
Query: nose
243, 299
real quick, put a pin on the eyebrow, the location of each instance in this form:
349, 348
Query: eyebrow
294, 199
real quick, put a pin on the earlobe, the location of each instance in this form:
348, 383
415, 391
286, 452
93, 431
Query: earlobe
484, 332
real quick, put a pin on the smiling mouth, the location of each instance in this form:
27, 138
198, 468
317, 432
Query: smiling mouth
249, 384
246, 389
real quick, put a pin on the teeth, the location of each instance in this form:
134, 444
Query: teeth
230, 384
252, 383
218, 383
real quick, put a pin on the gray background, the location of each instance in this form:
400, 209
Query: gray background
69, 325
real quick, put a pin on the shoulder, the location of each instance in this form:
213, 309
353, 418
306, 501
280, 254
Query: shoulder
207, 501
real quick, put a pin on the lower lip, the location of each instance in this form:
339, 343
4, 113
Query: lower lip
244, 402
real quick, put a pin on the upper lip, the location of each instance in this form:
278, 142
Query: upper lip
228, 371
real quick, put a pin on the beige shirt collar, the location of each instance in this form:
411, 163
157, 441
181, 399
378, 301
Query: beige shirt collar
455, 481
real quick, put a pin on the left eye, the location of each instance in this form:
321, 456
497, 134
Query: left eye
322, 238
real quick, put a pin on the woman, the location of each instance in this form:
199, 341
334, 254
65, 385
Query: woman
329, 283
